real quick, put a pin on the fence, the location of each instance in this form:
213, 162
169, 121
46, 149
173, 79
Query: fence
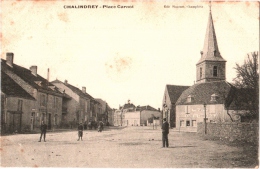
248, 132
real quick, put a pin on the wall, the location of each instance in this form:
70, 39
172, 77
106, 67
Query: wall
207, 71
231, 131
190, 115
12, 105
132, 118
167, 101
117, 118
145, 114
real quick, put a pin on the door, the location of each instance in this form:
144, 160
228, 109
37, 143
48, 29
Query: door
32, 120
49, 122
15, 122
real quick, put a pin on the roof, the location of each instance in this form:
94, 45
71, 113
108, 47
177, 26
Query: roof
128, 105
37, 82
210, 49
11, 88
76, 90
141, 108
175, 91
201, 93
102, 103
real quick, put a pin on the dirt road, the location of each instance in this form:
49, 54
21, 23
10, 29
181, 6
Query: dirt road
118, 147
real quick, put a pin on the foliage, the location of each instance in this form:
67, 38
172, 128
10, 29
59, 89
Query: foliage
247, 80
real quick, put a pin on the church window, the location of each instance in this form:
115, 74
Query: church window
215, 71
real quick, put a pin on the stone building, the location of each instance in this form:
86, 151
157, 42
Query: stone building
16, 107
48, 104
78, 106
171, 95
212, 98
140, 116
106, 112
117, 120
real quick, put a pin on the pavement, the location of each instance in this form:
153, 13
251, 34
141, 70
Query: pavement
124, 147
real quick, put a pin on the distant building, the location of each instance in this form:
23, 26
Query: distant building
171, 95
138, 116
78, 106
117, 120
48, 104
106, 114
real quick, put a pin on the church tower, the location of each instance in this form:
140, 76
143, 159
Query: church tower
211, 66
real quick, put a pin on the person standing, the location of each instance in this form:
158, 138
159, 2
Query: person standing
165, 132
43, 131
100, 126
80, 131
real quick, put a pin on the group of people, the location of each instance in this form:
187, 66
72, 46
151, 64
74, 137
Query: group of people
43, 129
165, 131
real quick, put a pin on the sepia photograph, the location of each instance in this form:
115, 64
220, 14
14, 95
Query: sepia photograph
129, 84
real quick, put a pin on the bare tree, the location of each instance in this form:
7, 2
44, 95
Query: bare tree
247, 78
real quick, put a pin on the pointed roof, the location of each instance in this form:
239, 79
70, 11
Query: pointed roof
210, 49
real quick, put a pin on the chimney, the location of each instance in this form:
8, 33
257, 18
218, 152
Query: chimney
84, 89
10, 59
34, 70
66, 81
48, 74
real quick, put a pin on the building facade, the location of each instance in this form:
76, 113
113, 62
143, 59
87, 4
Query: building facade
48, 104
78, 105
171, 95
211, 99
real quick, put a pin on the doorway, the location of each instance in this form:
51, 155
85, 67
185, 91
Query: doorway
49, 122
32, 120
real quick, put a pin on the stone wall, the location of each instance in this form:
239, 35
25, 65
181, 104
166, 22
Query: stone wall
231, 131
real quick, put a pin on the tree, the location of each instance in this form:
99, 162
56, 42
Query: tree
247, 78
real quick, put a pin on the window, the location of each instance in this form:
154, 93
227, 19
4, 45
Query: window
55, 119
42, 100
182, 123
57, 102
214, 97
20, 106
194, 123
189, 99
188, 123
200, 72
186, 109
215, 71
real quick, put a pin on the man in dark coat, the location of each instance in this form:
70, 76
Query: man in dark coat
80, 131
43, 131
165, 132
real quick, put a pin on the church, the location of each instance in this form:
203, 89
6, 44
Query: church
211, 98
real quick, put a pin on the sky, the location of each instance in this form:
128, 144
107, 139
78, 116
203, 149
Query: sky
122, 54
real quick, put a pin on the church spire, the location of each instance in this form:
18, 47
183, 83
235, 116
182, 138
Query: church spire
211, 66
210, 49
